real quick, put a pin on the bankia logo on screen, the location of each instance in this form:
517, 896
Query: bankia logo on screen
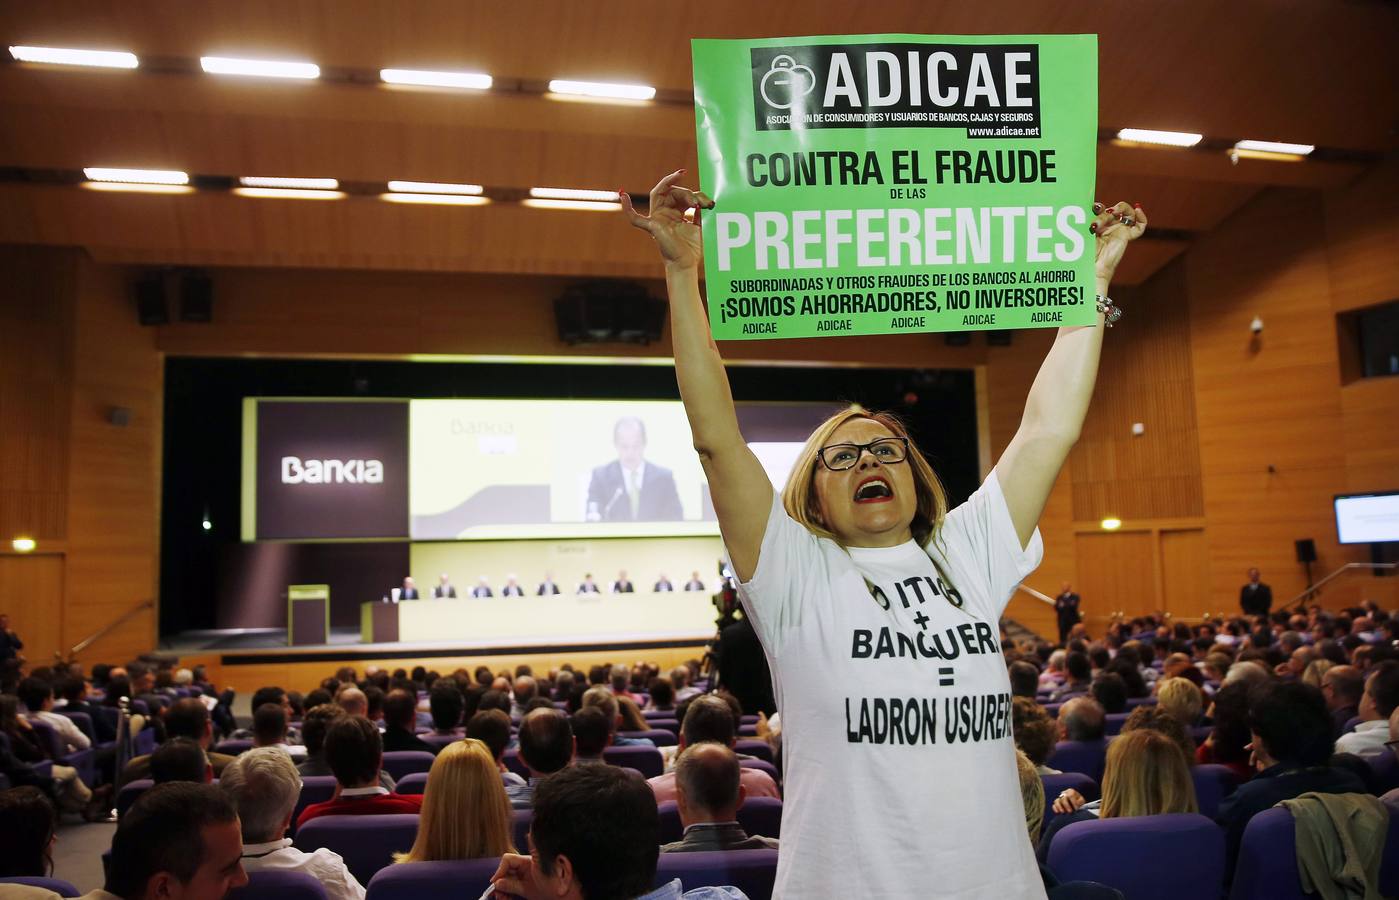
329, 470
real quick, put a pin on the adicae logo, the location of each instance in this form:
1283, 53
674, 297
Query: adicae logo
786, 82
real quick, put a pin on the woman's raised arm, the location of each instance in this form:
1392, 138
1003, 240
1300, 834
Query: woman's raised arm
738, 484
1058, 400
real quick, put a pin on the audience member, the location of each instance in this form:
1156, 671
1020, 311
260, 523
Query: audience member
27, 747
277, 697
354, 752
1290, 732
465, 813
1342, 687
708, 793
28, 822
180, 759
1024, 679
1111, 692
270, 730
313, 728
592, 734
37, 696
1146, 775
1031, 794
492, 728
595, 834
178, 840
1154, 718
1035, 733
446, 703
400, 720
546, 746
1078, 671
661, 695
1378, 702
1081, 719
353, 701
525, 689
710, 719
680, 679
630, 715
1228, 743
604, 700
263, 785
1181, 698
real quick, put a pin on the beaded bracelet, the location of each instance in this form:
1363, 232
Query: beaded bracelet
1110, 313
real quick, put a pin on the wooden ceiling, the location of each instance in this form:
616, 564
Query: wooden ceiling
1290, 70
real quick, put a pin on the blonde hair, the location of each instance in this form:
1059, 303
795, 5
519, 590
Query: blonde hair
1314, 671
466, 814
1146, 775
1031, 794
799, 497
1182, 698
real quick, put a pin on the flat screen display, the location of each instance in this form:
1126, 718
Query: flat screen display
1368, 518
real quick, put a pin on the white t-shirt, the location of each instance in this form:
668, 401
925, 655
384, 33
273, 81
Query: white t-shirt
900, 774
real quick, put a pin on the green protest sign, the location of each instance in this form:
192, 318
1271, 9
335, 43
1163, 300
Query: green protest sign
876, 184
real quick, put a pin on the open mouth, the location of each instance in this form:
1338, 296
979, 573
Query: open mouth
874, 490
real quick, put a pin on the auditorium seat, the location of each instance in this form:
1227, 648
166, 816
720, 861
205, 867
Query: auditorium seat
1113, 722
415, 783
1386, 772
1213, 783
1389, 868
1200, 733
1145, 857
279, 885
748, 731
754, 747
234, 746
646, 760
1085, 757
1267, 864
514, 763
519, 828
658, 736
765, 766
761, 815
1054, 785
671, 724
57, 885
83, 721
405, 762
144, 743
751, 871
444, 880
367, 843
314, 789
1134, 702
441, 740
85, 761
129, 792
748, 720
671, 828
1350, 724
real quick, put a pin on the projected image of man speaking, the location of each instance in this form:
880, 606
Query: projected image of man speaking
630, 489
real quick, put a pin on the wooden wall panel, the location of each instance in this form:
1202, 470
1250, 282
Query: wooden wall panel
31, 593
36, 358
1185, 573
114, 480
1116, 574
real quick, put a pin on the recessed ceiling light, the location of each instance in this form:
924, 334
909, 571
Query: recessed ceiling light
260, 68
23, 544
137, 187
1150, 136
320, 184
433, 187
136, 176
287, 193
580, 205
549, 193
442, 199
602, 90
1111, 524
1275, 147
64, 56
475, 81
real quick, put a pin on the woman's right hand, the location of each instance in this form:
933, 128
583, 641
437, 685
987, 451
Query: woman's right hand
670, 224
1068, 801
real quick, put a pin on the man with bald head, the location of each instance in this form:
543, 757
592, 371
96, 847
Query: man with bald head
710, 719
1342, 686
1081, 719
708, 793
353, 701
631, 489
524, 690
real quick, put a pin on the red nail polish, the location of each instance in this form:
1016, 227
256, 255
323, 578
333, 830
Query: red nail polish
1136, 204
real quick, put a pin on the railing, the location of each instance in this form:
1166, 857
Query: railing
88, 641
1348, 567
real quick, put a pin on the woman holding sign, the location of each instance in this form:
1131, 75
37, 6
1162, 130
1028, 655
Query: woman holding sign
878, 608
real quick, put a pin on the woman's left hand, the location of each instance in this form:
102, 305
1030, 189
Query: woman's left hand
1114, 227
1068, 801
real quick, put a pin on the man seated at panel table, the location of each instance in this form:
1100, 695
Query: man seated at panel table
710, 720
547, 586
409, 591
444, 589
695, 583
187, 718
355, 752
662, 584
264, 786
623, 584
483, 588
587, 585
546, 746
595, 833
708, 793
512, 587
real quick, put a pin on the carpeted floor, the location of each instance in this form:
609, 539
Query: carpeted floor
77, 855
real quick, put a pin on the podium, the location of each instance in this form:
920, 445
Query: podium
308, 614
378, 623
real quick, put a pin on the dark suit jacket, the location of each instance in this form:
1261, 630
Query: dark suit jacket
1066, 606
743, 668
695, 586
512, 591
623, 587
1256, 601
409, 595
662, 586
451, 592
480, 591
10, 645
659, 501
718, 836
547, 587
1266, 789
396, 739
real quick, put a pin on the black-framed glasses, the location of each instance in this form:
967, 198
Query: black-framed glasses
839, 457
